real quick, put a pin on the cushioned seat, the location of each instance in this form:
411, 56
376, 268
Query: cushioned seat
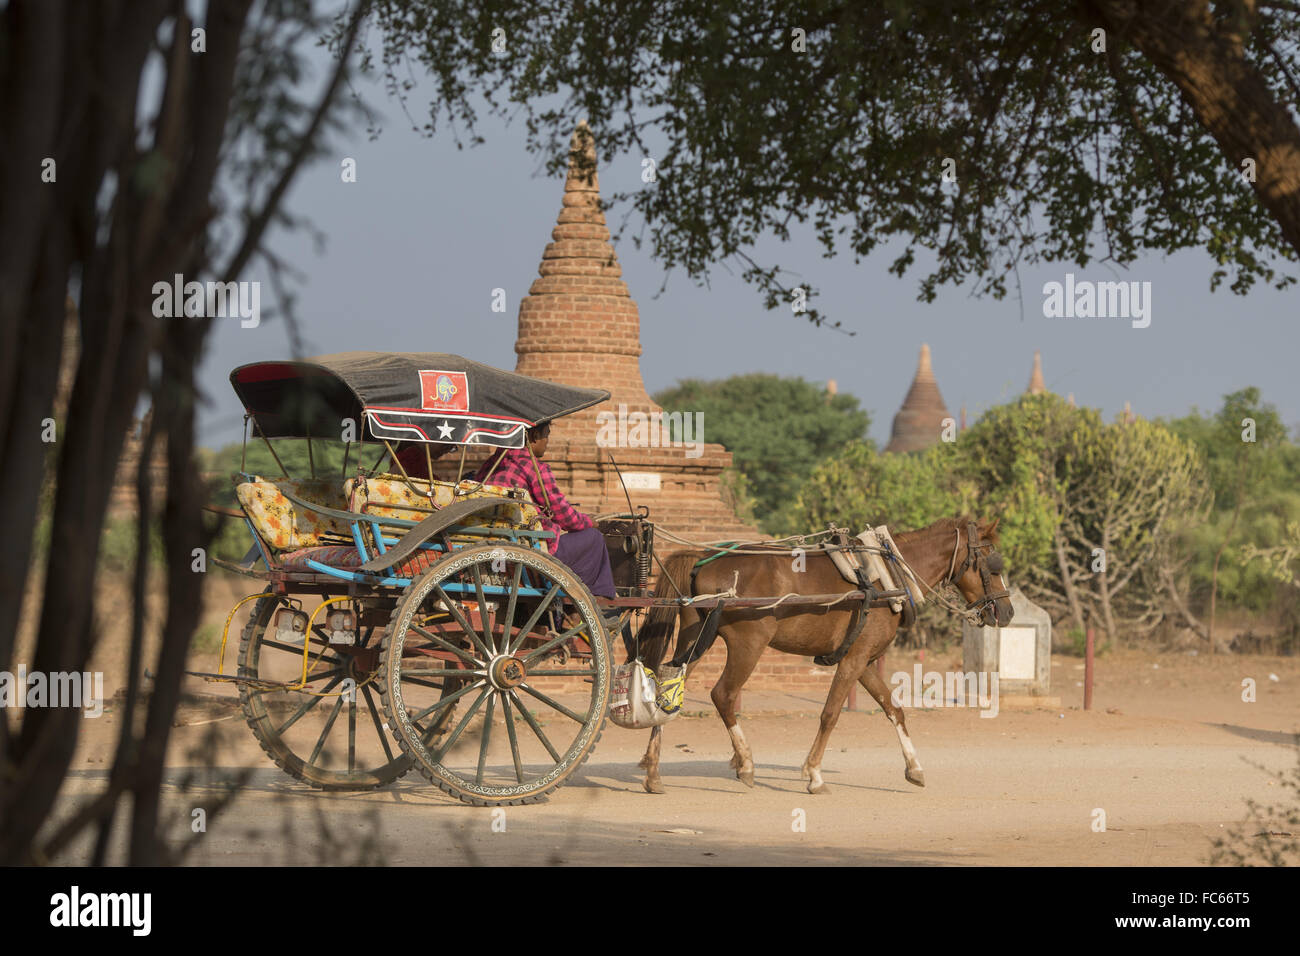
285, 526
392, 496
297, 534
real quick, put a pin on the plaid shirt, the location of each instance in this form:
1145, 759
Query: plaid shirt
516, 470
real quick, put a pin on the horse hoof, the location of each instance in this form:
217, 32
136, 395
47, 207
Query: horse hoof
747, 778
820, 788
653, 786
916, 776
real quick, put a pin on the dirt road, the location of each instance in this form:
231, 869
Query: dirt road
1168, 753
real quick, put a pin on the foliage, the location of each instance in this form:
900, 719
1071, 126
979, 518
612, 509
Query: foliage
1261, 477
325, 458
777, 429
1029, 458
1061, 482
766, 116
863, 487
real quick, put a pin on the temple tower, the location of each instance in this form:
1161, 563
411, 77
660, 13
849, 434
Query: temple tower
578, 325
919, 422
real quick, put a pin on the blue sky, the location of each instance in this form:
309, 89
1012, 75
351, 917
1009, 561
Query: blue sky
417, 244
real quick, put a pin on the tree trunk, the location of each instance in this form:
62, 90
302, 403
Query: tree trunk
1181, 606
1103, 586
1067, 581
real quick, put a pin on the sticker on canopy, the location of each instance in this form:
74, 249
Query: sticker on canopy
444, 391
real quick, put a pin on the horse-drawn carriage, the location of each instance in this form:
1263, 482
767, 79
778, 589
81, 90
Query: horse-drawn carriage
407, 621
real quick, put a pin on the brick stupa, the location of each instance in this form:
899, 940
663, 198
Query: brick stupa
919, 422
578, 325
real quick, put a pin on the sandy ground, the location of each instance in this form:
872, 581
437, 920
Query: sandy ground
1170, 753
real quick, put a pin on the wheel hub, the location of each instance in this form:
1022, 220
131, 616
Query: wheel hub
506, 672
360, 662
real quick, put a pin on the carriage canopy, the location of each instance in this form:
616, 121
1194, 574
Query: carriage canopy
403, 396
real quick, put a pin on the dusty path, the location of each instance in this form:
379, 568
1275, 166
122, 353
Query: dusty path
1170, 765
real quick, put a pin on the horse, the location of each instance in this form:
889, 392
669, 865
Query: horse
934, 553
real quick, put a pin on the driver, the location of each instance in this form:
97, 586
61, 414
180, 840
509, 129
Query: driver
581, 547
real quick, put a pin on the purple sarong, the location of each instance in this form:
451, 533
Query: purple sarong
584, 551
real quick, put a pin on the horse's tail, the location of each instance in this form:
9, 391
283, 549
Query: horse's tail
674, 581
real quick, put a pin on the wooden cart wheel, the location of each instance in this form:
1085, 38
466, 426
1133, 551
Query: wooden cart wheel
330, 733
523, 725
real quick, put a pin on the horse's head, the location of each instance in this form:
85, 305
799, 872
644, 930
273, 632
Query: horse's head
977, 572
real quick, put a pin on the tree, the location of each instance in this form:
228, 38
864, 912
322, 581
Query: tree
139, 144
1251, 468
1031, 459
979, 134
777, 429
1144, 483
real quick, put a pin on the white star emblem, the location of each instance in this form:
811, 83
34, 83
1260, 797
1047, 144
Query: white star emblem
444, 430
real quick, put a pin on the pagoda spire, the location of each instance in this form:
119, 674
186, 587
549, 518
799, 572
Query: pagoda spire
1036, 384
578, 324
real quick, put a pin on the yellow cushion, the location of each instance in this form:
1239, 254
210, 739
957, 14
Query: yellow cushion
392, 496
283, 525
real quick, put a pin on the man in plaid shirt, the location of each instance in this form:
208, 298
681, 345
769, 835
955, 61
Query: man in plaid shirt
581, 547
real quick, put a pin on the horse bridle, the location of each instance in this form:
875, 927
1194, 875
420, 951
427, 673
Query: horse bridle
987, 565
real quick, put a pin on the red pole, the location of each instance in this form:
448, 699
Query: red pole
1087, 673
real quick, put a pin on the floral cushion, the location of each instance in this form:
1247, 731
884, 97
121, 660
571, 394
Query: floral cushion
392, 496
284, 525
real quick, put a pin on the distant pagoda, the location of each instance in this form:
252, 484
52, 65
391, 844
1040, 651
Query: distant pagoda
1036, 384
919, 422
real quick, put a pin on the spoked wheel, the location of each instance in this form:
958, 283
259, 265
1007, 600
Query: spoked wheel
327, 731
525, 674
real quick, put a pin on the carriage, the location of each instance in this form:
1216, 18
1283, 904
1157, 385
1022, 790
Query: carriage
407, 621
404, 621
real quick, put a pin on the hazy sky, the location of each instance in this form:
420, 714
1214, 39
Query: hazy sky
416, 246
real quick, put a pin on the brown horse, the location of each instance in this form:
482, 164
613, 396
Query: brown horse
940, 554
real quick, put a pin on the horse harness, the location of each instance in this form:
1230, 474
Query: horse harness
987, 564
709, 628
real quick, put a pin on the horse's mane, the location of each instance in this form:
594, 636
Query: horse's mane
946, 526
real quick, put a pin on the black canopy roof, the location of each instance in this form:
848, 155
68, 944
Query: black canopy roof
406, 396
